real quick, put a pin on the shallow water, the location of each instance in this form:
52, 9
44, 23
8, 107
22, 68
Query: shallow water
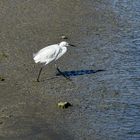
104, 68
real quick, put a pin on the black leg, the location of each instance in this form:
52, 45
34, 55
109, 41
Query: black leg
39, 74
62, 73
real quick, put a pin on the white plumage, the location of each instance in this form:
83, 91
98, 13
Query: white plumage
51, 53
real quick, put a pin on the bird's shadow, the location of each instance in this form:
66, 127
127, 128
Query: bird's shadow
78, 72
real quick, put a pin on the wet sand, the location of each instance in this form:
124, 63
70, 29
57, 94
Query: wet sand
105, 103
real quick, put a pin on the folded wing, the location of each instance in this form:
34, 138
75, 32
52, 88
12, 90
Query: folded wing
47, 54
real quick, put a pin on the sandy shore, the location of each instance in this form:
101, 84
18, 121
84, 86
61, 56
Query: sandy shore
102, 32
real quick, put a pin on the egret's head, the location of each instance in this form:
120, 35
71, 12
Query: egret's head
65, 44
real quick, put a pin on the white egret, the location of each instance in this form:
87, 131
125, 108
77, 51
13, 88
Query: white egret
51, 53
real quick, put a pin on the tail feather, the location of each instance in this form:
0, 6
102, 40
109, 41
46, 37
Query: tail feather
35, 58
34, 54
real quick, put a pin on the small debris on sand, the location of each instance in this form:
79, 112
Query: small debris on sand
64, 105
1, 78
64, 37
3, 55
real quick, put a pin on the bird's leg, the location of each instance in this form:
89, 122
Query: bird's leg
61, 73
39, 74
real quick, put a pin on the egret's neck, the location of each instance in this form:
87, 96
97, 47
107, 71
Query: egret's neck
64, 48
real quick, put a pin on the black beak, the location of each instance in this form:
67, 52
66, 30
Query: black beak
72, 45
